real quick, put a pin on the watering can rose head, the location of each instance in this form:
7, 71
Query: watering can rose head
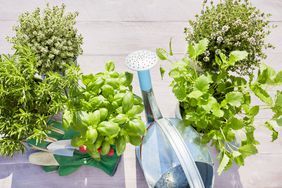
105, 113
218, 103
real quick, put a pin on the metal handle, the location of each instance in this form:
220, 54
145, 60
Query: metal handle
182, 152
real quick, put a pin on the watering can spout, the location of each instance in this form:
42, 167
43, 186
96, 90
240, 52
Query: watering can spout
152, 110
142, 61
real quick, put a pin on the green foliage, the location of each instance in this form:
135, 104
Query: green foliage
230, 25
26, 101
218, 104
52, 35
105, 112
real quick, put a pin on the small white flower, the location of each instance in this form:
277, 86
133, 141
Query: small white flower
215, 24
206, 59
207, 53
219, 39
237, 43
238, 22
225, 28
217, 51
252, 40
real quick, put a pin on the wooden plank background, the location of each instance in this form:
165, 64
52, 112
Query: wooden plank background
112, 29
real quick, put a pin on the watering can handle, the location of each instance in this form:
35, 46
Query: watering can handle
182, 152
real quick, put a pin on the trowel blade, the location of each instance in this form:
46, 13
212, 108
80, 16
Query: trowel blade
61, 147
43, 159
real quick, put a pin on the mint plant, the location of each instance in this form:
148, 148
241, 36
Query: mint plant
231, 25
26, 101
104, 112
52, 36
218, 104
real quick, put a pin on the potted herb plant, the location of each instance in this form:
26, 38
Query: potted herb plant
105, 113
26, 101
51, 35
231, 25
218, 103
100, 115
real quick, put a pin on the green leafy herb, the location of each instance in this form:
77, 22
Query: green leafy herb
52, 36
230, 25
218, 103
105, 112
26, 100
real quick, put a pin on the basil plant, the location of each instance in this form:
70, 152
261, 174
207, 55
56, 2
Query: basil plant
105, 113
218, 103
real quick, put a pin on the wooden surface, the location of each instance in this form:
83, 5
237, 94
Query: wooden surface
111, 30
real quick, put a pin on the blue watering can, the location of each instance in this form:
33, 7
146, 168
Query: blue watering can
170, 155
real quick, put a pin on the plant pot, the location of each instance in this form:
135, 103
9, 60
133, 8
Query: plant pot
230, 178
179, 116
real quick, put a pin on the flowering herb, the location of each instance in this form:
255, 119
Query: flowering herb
231, 25
105, 112
51, 35
26, 101
218, 104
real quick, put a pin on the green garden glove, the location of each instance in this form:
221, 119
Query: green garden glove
68, 165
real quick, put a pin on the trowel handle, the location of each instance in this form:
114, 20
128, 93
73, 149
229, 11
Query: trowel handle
145, 80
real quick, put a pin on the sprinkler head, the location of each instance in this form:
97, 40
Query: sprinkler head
141, 60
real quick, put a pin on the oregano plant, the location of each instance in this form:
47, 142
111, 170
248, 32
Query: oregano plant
105, 113
218, 103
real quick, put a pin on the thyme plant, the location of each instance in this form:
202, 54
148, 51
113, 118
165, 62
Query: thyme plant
231, 25
52, 35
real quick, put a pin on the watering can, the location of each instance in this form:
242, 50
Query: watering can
171, 154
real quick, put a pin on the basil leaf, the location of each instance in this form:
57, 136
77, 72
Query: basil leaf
105, 148
91, 134
110, 66
136, 109
136, 127
127, 102
120, 145
135, 140
107, 128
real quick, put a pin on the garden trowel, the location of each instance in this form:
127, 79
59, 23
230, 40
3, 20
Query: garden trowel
62, 147
43, 158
